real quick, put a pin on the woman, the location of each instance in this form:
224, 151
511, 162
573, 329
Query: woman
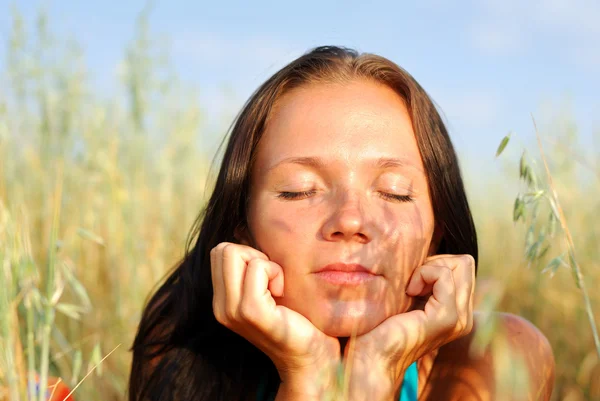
338, 232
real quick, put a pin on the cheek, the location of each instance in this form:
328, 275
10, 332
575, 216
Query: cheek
282, 234
408, 239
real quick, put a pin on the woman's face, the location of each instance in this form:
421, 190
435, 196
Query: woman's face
338, 179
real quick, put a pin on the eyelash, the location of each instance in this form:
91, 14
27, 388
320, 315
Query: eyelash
304, 194
295, 195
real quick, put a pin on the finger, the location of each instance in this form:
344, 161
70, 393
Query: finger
471, 303
257, 300
218, 284
440, 257
463, 271
436, 280
234, 259
440, 261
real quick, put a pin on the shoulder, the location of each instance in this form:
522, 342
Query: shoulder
515, 363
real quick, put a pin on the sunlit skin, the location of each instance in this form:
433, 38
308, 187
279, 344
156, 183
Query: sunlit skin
363, 198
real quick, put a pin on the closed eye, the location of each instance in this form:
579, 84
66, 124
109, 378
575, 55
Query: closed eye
296, 195
305, 194
397, 198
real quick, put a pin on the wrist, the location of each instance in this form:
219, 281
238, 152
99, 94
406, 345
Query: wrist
376, 382
316, 383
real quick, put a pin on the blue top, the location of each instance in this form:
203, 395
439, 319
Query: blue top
408, 392
410, 386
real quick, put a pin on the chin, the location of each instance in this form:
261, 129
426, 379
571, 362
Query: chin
346, 326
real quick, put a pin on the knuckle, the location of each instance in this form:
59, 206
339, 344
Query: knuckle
220, 318
445, 271
220, 246
446, 274
450, 322
448, 326
255, 263
461, 325
469, 326
468, 260
218, 312
247, 312
228, 250
214, 252
231, 313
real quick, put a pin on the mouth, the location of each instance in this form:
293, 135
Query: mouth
346, 274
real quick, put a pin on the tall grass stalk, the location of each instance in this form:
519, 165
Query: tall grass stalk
577, 273
8, 341
52, 290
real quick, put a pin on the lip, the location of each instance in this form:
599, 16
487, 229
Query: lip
345, 267
346, 274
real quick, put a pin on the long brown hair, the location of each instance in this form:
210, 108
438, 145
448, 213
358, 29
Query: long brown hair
180, 351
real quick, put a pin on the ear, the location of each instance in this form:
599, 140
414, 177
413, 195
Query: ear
436, 239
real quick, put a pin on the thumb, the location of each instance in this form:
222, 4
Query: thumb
275, 275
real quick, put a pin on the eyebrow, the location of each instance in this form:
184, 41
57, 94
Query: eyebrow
318, 163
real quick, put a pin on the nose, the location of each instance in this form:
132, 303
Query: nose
348, 221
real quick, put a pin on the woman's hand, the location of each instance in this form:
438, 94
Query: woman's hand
378, 359
245, 282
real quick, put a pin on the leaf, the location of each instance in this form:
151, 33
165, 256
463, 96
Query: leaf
95, 359
77, 363
552, 224
530, 178
532, 251
76, 286
73, 311
502, 145
573, 265
544, 251
90, 235
553, 265
59, 287
36, 299
535, 210
529, 237
518, 209
522, 166
541, 236
536, 195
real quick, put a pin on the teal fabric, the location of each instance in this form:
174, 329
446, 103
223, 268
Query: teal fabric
410, 386
407, 393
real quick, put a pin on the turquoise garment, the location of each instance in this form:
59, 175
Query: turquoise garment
410, 384
407, 393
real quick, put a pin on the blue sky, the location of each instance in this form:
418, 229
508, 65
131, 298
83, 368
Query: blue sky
488, 64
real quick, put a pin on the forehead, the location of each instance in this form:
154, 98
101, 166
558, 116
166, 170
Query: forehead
349, 122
